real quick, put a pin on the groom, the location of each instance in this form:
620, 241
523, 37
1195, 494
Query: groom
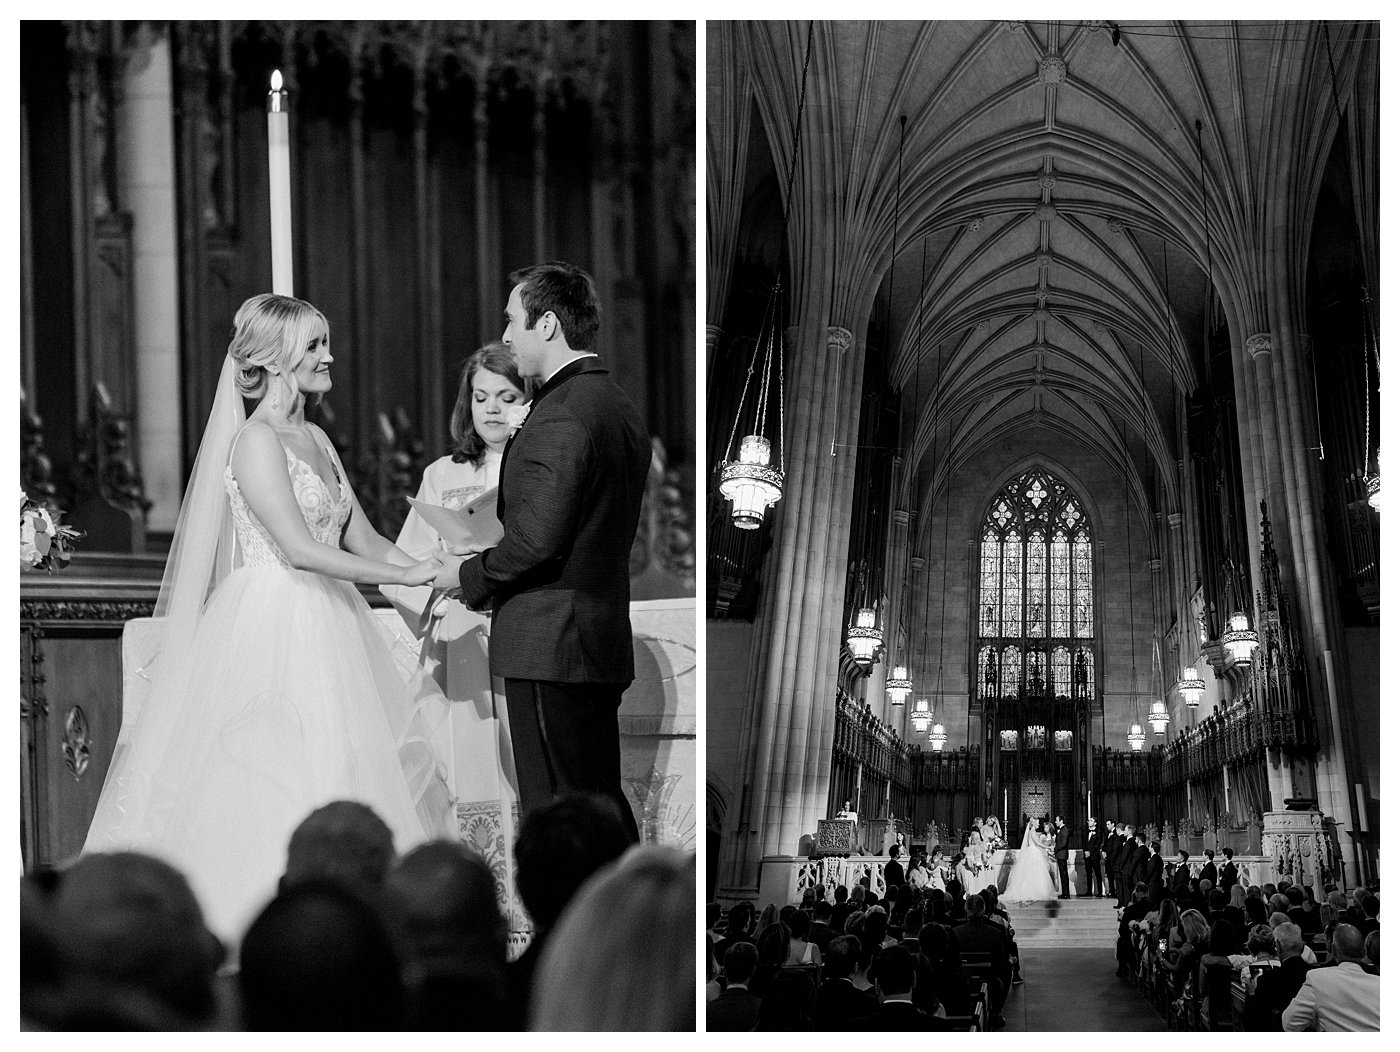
1062, 854
570, 496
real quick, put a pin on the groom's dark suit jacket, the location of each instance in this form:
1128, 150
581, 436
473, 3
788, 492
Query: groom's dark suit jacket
1062, 842
570, 495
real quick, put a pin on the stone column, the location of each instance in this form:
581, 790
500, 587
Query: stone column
785, 750
1277, 449
146, 141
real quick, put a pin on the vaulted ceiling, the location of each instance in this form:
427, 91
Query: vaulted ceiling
1055, 211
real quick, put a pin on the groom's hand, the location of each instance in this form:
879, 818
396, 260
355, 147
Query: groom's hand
448, 578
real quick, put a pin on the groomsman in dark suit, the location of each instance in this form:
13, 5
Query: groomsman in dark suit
1208, 870
894, 870
1229, 872
1135, 869
1092, 849
1125, 852
1181, 875
1154, 868
559, 583
1110, 855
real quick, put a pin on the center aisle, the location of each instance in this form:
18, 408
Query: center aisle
1075, 989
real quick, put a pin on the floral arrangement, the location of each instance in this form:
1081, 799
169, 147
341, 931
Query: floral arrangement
44, 543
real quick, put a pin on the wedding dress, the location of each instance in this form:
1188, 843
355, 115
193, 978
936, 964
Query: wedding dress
275, 696
1030, 879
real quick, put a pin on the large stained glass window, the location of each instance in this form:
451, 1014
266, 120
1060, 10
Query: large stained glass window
1035, 590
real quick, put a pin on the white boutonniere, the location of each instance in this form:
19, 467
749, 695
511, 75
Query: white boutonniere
516, 414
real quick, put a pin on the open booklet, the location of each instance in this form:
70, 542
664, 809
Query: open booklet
474, 524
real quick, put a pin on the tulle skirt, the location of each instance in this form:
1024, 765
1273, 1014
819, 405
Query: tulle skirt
292, 700
1031, 879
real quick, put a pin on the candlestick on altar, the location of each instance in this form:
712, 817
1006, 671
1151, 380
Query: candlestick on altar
279, 185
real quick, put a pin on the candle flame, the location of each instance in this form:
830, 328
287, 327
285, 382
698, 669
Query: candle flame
276, 80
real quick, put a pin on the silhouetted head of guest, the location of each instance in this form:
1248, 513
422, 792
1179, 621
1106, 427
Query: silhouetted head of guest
740, 917
440, 903
841, 894
800, 925
1348, 944
842, 956
774, 944
893, 971
1261, 939
129, 921
936, 944
319, 958
713, 912
741, 959
1373, 948
560, 846
622, 957
343, 843
1224, 940
785, 1001
1217, 900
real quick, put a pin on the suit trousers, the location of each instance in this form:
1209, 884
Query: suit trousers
565, 740
1095, 875
1063, 863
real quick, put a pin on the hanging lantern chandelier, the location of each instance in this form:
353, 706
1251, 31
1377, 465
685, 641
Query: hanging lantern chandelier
921, 715
750, 482
1157, 714
1136, 737
1241, 640
938, 737
1191, 687
898, 685
864, 637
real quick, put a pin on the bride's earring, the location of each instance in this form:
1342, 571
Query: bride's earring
276, 391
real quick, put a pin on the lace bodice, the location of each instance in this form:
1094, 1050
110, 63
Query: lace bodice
325, 517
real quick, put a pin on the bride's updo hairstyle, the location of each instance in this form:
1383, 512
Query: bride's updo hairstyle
272, 332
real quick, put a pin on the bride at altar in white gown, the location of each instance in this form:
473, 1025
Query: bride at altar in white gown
273, 690
1032, 876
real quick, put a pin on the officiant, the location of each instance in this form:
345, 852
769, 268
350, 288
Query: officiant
454, 641
488, 396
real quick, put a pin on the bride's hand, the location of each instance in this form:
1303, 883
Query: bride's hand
420, 573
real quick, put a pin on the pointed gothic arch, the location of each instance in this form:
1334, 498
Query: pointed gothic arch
1037, 644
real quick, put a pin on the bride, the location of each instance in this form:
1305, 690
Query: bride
1032, 876
273, 691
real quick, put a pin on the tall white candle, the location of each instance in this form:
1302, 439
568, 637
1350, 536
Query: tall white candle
279, 185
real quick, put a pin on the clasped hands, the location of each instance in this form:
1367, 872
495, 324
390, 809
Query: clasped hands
448, 579
442, 569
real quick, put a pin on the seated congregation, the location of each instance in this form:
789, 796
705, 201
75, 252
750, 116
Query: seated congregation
357, 939
1259, 958
917, 959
